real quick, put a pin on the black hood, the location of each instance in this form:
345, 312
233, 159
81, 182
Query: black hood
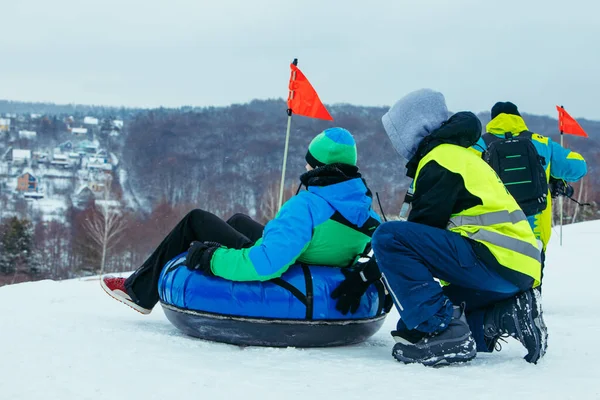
462, 129
329, 174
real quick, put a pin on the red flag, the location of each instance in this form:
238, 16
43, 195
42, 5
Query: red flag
303, 99
568, 125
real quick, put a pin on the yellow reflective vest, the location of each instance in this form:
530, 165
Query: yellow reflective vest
498, 223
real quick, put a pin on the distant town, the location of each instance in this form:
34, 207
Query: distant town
48, 174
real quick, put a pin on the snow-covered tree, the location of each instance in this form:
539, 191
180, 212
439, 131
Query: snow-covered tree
16, 248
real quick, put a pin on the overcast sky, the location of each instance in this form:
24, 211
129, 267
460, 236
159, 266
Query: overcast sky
367, 52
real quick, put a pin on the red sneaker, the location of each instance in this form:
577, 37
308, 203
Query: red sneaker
115, 288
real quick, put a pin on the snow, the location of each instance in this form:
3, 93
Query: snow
23, 134
129, 197
114, 160
27, 171
50, 209
68, 340
20, 154
90, 121
79, 131
109, 203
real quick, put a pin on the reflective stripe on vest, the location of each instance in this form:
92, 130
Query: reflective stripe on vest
495, 218
497, 222
516, 245
492, 218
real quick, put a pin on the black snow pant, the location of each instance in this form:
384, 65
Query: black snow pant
239, 232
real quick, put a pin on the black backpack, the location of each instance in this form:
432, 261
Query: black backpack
520, 168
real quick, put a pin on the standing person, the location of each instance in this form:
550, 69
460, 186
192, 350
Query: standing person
556, 162
464, 229
325, 225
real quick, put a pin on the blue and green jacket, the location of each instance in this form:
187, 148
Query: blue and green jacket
328, 224
560, 163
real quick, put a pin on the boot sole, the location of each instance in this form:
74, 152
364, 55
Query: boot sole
463, 350
537, 332
525, 301
539, 321
115, 294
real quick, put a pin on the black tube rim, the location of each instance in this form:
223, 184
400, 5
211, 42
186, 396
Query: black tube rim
274, 320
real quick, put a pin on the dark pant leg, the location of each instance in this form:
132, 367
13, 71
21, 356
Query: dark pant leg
410, 255
246, 226
198, 225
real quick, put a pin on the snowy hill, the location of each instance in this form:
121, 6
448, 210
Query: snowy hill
68, 340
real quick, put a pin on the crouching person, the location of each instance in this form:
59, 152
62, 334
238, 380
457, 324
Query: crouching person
464, 229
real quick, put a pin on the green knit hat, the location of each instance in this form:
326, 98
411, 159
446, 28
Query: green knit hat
333, 145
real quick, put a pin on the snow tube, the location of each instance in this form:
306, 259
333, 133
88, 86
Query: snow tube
295, 310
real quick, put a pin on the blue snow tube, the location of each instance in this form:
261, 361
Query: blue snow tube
295, 310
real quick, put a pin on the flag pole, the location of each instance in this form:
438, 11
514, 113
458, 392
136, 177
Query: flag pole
285, 153
560, 198
287, 142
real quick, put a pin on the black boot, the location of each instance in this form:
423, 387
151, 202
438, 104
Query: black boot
520, 317
452, 345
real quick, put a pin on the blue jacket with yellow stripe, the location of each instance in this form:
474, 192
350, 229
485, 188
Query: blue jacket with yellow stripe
560, 163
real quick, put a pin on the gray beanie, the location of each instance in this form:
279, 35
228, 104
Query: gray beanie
412, 118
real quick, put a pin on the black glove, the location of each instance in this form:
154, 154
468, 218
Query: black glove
559, 187
569, 191
199, 255
358, 279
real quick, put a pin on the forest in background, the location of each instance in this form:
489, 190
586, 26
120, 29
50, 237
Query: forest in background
221, 159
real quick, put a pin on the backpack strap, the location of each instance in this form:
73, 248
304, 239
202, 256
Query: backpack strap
367, 229
526, 134
529, 135
488, 138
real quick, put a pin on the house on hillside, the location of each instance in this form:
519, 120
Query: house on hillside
83, 196
89, 147
60, 159
34, 195
102, 154
66, 146
20, 156
101, 157
99, 166
40, 156
90, 121
27, 182
4, 124
23, 134
79, 131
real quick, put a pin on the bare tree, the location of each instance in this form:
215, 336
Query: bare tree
105, 226
269, 202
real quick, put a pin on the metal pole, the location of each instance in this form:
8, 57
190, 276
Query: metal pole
285, 153
560, 199
287, 138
